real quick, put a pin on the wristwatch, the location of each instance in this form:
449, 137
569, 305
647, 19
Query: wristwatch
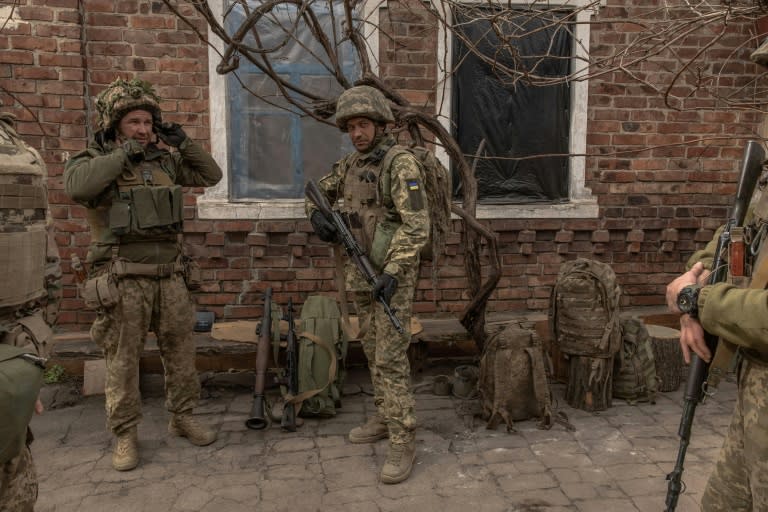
688, 300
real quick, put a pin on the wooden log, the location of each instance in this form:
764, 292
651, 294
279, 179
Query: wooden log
590, 383
665, 343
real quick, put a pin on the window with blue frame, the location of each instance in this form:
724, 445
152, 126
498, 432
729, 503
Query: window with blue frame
274, 147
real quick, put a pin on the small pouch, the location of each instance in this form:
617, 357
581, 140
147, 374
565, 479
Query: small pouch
192, 274
120, 217
100, 292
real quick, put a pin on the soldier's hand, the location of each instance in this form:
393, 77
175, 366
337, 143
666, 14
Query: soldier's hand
134, 151
171, 133
692, 339
384, 288
689, 278
324, 229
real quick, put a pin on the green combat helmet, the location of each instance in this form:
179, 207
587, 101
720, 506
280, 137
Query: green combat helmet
121, 97
362, 101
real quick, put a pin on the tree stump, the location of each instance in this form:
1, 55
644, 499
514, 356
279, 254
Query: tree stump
665, 343
590, 383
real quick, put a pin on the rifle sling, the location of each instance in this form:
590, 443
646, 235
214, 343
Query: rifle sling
341, 286
726, 350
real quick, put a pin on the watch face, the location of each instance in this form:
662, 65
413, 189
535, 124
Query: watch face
686, 300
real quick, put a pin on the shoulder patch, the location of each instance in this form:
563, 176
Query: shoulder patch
415, 196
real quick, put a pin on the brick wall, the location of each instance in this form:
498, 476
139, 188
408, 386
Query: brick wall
656, 206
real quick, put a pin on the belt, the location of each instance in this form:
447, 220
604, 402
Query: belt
121, 268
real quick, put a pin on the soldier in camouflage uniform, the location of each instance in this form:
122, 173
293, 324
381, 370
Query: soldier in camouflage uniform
739, 482
29, 259
387, 211
131, 188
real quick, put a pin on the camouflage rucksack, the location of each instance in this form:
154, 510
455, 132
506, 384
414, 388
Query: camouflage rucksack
437, 187
513, 382
322, 353
584, 309
634, 373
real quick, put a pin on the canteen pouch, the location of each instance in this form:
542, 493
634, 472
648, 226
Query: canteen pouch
100, 292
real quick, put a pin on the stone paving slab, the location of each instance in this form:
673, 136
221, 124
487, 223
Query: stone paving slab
614, 460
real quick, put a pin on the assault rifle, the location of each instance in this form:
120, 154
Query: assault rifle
696, 388
355, 252
288, 422
257, 419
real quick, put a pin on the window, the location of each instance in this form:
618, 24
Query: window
262, 180
504, 119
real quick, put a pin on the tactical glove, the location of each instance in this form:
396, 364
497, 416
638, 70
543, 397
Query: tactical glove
324, 229
133, 150
384, 288
171, 134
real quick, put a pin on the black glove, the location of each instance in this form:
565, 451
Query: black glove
171, 134
324, 228
384, 288
133, 150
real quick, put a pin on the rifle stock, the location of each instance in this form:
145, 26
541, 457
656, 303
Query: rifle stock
696, 388
257, 419
354, 251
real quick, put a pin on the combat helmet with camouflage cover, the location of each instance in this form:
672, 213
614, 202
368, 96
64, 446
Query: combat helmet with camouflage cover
123, 96
362, 101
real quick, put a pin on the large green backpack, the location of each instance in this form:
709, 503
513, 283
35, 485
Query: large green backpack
634, 372
322, 353
21, 378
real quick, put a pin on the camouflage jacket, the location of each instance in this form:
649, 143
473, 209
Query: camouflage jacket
402, 225
732, 312
89, 179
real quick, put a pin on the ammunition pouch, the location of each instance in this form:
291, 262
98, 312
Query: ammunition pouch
147, 211
100, 292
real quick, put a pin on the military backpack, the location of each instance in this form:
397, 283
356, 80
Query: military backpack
584, 309
513, 382
634, 372
437, 187
322, 353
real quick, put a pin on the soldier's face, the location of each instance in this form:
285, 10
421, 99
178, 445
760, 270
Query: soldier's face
362, 132
136, 124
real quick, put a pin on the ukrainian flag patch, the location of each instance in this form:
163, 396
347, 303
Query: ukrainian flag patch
415, 197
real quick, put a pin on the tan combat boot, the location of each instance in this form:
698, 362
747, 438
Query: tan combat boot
185, 425
399, 462
126, 454
373, 430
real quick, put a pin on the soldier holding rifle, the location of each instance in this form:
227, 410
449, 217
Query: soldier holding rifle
733, 307
386, 210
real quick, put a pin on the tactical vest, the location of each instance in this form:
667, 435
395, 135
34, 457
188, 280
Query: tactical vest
23, 210
143, 217
368, 205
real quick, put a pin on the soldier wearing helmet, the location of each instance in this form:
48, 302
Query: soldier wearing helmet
381, 185
138, 278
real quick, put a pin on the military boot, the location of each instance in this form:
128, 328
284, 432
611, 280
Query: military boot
185, 425
760, 56
373, 430
126, 454
399, 462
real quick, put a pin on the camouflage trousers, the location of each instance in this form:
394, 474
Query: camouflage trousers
18, 483
165, 307
387, 354
739, 482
